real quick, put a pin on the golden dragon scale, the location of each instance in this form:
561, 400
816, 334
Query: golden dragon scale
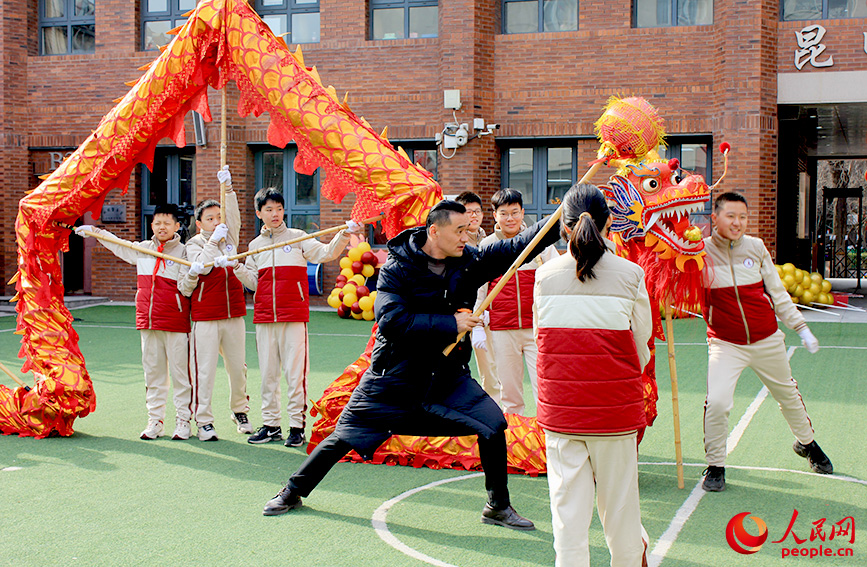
221, 41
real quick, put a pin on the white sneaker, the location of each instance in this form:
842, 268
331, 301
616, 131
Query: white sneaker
242, 422
182, 430
207, 433
153, 430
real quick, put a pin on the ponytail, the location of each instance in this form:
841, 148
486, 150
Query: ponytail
585, 212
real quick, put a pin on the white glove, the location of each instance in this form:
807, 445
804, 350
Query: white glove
225, 177
84, 229
197, 268
810, 341
220, 233
486, 318
477, 338
354, 227
224, 262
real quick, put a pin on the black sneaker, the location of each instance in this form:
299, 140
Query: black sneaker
284, 501
266, 434
296, 437
244, 426
714, 479
819, 461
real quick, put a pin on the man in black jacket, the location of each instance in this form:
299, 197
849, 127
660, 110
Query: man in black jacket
411, 388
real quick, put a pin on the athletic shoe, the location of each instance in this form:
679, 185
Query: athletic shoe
266, 434
242, 422
284, 501
714, 479
153, 430
506, 517
208, 433
182, 430
296, 437
819, 461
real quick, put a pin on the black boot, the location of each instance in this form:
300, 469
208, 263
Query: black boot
284, 501
714, 479
506, 517
819, 461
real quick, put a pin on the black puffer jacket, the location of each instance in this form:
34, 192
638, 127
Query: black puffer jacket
409, 380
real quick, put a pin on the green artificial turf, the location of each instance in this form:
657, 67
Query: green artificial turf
105, 497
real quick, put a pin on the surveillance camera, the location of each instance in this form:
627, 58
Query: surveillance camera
462, 136
493, 126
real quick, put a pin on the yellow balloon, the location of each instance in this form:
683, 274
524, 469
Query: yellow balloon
347, 272
826, 286
367, 270
366, 303
345, 262
373, 295
816, 289
350, 287
334, 301
364, 247
355, 254
349, 299
816, 277
794, 299
356, 315
824, 299
779, 270
789, 268
789, 281
358, 279
367, 315
799, 276
807, 298
799, 291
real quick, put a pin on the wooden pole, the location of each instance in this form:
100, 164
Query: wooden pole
14, 377
130, 245
675, 405
552, 220
299, 239
223, 151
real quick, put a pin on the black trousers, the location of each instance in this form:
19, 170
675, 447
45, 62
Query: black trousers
491, 451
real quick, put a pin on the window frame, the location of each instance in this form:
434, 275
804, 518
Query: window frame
174, 14
289, 184
288, 8
540, 206
540, 17
172, 156
406, 5
823, 16
69, 20
674, 4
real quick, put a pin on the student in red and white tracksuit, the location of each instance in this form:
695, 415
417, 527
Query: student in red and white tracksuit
281, 312
218, 310
162, 314
592, 337
511, 312
743, 300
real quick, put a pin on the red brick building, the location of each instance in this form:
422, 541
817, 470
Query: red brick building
784, 82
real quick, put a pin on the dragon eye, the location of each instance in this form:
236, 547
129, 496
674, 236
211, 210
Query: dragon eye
676, 178
650, 185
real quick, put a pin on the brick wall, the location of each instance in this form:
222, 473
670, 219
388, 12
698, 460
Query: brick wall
718, 80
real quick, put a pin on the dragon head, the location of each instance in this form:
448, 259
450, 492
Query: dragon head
653, 201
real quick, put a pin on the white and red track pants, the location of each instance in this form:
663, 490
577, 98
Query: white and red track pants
164, 354
768, 359
226, 338
581, 469
283, 352
488, 368
511, 348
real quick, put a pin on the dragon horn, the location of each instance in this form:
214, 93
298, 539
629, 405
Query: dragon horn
725, 147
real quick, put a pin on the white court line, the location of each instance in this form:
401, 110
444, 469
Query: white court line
667, 539
381, 526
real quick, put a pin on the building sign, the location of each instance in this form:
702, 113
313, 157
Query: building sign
811, 47
113, 213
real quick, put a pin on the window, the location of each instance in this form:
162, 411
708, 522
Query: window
171, 182
531, 16
274, 168
542, 174
791, 10
160, 16
67, 27
695, 157
420, 154
297, 19
661, 13
400, 19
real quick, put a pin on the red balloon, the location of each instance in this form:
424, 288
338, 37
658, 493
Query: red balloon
368, 258
343, 312
340, 296
341, 278
356, 308
357, 267
362, 291
340, 284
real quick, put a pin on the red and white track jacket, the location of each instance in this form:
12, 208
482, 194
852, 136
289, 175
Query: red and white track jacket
592, 340
279, 276
513, 306
216, 293
745, 292
159, 305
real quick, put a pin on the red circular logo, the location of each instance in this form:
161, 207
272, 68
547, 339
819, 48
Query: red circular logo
742, 541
